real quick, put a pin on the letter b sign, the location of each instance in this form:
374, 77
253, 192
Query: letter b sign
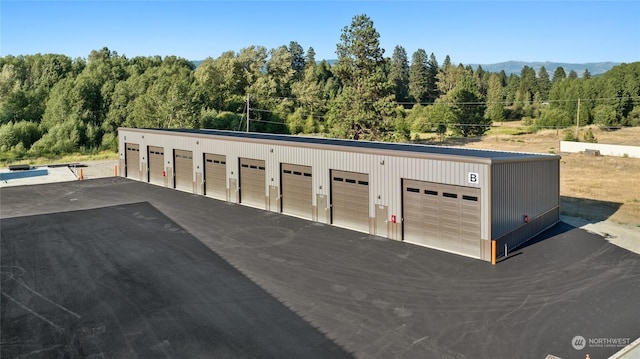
473, 178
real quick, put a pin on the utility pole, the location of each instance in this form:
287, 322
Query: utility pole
578, 120
247, 113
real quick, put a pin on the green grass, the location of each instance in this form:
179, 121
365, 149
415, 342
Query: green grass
71, 158
508, 130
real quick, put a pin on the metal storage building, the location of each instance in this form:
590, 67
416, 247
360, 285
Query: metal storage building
452, 199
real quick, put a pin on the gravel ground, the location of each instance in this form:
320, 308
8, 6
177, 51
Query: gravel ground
99, 169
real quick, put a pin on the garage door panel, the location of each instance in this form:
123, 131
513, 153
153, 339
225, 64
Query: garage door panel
350, 199
183, 163
156, 164
442, 216
252, 182
132, 161
215, 175
297, 191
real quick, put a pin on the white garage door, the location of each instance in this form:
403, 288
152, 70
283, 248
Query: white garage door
215, 176
183, 162
132, 161
156, 165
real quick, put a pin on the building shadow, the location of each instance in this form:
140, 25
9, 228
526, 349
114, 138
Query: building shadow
127, 281
557, 229
584, 211
589, 210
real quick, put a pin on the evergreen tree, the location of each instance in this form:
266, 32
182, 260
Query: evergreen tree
559, 74
310, 58
418, 76
365, 107
399, 74
449, 76
432, 78
495, 100
468, 109
297, 59
544, 84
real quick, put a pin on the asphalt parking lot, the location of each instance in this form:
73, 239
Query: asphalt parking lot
116, 268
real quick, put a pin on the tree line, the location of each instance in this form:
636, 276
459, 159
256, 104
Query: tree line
51, 104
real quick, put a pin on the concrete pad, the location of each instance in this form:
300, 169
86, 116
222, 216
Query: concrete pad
369, 297
56, 174
624, 236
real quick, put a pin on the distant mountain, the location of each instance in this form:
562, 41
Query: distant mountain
515, 67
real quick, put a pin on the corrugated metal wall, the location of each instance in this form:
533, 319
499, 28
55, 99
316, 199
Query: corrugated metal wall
524, 189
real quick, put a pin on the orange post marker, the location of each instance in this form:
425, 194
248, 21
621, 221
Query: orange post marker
115, 170
80, 177
493, 252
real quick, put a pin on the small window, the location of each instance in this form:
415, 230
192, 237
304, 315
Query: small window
253, 166
297, 173
430, 192
364, 183
349, 180
307, 174
245, 165
287, 172
338, 179
261, 168
211, 161
223, 162
449, 195
470, 198
414, 190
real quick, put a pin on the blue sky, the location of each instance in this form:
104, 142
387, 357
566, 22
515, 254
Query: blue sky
469, 32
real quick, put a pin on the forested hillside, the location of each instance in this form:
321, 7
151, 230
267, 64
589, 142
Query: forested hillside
51, 104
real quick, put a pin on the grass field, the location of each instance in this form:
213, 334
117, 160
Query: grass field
593, 188
71, 158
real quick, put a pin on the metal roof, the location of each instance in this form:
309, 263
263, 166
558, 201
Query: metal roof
491, 156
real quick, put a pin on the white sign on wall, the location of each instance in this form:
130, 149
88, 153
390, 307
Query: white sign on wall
473, 178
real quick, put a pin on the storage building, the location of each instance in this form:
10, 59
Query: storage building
452, 199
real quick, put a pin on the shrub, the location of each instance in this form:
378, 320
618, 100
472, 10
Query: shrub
590, 137
569, 136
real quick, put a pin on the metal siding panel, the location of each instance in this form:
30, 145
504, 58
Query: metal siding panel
525, 188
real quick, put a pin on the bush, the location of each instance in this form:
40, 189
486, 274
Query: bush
569, 136
590, 137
